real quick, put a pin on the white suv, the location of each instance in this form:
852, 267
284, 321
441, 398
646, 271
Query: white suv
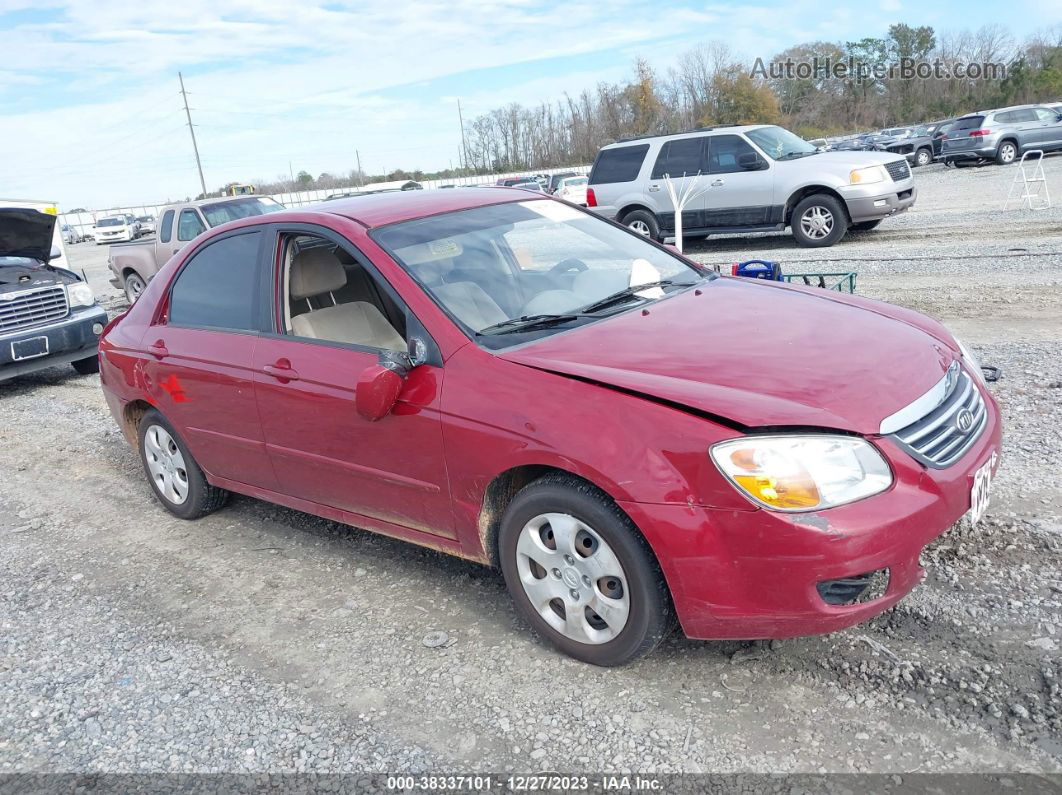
753, 178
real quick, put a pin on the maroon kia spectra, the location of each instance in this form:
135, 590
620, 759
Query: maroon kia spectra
508, 378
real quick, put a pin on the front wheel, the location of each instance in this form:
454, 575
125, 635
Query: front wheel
175, 477
819, 220
644, 223
923, 157
580, 572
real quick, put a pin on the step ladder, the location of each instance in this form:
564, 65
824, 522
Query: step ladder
1031, 182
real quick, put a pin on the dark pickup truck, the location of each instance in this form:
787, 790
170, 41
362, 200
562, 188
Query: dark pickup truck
48, 315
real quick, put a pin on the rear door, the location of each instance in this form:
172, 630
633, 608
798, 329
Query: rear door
199, 370
740, 184
682, 161
1049, 129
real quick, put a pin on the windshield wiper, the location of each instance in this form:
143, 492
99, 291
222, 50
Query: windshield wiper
526, 322
629, 292
795, 155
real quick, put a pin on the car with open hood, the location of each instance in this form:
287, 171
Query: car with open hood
48, 314
506, 377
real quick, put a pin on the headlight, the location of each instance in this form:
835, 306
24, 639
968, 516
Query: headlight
971, 361
868, 175
80, 294
803, 473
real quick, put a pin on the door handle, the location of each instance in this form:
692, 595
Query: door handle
654, 188
281, 370
716, 183
158, 349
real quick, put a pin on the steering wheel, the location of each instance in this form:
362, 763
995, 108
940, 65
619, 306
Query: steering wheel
570, 264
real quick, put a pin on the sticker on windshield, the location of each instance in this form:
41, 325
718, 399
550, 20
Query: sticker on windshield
554, 211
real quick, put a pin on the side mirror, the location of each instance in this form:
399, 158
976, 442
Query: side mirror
377, 391
55, 253
750, 161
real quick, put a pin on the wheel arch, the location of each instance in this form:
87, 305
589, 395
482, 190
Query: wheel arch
810, 190
132, 414
1011, 138
630, 208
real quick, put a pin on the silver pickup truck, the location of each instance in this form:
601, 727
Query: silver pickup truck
750, 178
133, 265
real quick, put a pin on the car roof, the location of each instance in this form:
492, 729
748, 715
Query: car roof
380, 209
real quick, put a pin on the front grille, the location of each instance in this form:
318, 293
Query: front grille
940, 437
33, 307
898, 170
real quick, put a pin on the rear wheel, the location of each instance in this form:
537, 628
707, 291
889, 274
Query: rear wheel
923, 157
175, 477
1007, 153
134, 285
644, 223
819, 220
579, 571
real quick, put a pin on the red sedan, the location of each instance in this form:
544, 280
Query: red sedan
508, 378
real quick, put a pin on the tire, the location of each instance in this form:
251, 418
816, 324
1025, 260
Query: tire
165, 457
834, 221
575, 516
87, 366
134, 285
865, 226
923, 157
1007, 153
643, 223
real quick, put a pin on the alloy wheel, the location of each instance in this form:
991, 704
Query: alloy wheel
1007, 152
816, 222
641, 227
166, 464
572, 578
923, 157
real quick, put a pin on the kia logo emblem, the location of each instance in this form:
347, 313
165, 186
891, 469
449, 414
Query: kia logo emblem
964, 421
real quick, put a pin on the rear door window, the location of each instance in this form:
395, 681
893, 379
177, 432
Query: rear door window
680, 157
621, 164
219, 286
166, 230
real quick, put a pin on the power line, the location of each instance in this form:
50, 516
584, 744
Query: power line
191, 129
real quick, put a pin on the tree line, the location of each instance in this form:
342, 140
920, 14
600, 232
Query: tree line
710, 85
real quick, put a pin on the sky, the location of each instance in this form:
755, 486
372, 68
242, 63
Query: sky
91, 113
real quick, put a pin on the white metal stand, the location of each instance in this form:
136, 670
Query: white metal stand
1033, 183
680, 198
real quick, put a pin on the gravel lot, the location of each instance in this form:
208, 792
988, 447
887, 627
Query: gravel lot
262, 639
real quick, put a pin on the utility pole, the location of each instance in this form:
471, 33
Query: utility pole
357, 154
464, 146
291, 171
191, 129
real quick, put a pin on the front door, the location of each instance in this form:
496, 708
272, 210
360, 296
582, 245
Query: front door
740, 185
336, 316
201, 355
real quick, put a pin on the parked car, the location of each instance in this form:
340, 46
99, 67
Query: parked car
758, 178
531, 184
572, 189
69, 234
397, 364
916, 145
134, 265
555, 180
1002, 135
48, 314
147, 224
115, 229
508, 182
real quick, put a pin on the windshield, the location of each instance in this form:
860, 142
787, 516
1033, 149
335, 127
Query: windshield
223, 212
502, 271
111, 222
780, 144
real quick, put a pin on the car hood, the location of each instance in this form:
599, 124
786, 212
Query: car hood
845, 159
26, 233
759, 355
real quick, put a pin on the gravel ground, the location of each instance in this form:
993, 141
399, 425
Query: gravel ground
262, 639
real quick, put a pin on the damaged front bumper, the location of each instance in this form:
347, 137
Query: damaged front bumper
757, 574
